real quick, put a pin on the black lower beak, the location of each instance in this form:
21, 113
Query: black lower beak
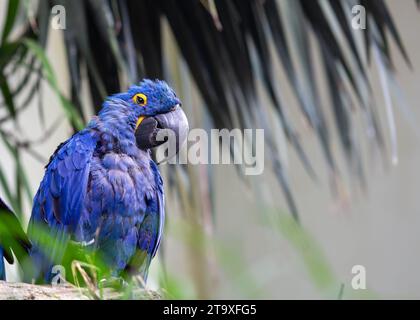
153, 131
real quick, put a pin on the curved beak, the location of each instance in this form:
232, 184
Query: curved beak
151, 132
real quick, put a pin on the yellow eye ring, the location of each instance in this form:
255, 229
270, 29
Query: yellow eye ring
140, 99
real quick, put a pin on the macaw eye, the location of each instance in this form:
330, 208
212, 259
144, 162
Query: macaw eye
140, 99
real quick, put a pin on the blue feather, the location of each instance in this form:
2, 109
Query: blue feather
100, 188
59, 200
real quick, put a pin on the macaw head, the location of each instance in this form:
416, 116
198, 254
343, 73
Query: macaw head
148, 108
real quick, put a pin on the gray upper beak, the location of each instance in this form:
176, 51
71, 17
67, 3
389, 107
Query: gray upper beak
153, 131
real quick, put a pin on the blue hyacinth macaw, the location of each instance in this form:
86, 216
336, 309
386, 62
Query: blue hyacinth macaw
101, 187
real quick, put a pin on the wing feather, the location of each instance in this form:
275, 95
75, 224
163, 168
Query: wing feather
60, 197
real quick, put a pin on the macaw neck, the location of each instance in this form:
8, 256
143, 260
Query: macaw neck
116, 134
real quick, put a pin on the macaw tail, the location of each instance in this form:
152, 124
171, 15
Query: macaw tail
12, 238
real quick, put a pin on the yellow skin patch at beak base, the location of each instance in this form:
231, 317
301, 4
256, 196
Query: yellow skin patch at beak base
139, 120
